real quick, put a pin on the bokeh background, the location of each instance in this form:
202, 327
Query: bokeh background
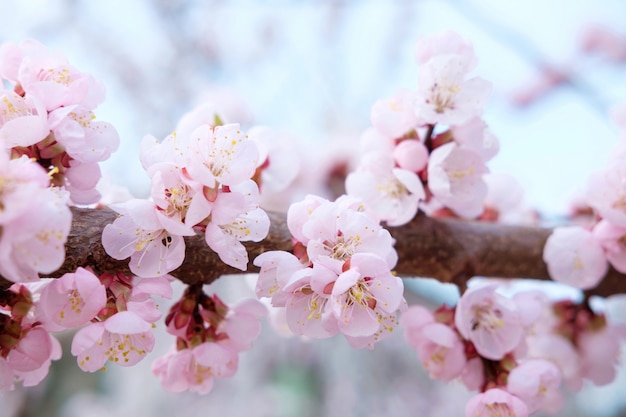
313, 69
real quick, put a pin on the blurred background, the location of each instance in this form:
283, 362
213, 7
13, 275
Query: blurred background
313, 69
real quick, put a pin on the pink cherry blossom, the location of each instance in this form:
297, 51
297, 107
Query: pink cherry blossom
455, 177
34, 240
607, 195
473, 374
276, 269
138, 234
394, 117
195, 369
612, 238
574, 257
447, 42
537, 383
72, 300
495, 403
124, 339
221, 155
600, 353
235, 218
394, 194
23, 120
242, 324
82, 137
445, 96
366, 297
335, 233
299, 214
307, 311
490, 321
476, 136
441, 352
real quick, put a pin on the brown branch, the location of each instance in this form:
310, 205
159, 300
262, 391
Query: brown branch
450, 251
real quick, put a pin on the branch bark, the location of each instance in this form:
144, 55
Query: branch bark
451, 251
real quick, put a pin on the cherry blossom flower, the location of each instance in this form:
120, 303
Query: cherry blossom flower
195, 369
392, 193
495, 403
455, 177
411, 154
276, 269
236, 217
574, 257
394, 117
476, 136
124, 339
221, 155
443, 94
607, 195
35, 221
23, 120
612, 238
72, 300
537, 383
490, 321
365, 299
138, 234
600, 353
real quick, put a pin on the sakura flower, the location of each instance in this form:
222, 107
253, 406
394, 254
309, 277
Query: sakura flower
276, 269
599, 355
47, 76
180, 203
242, 324
392, 193
443, 94
394, 117
612, 238
365, 299
72, 300
82, 137
195, 369
606, 193
221, 155
574, 257
307, 311
138, 234
495, 403
235, 218
537, 383
455, 177
34, 241
447, 42
335, 233
490, 321
476, 136
124, 339
23, 121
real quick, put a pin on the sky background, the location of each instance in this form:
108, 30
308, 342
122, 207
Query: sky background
313, 69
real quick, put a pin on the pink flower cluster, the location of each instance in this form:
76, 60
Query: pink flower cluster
338, 278
428, 147
48, 116
209, 337
515, 351
115, 314
580, 255
201, 181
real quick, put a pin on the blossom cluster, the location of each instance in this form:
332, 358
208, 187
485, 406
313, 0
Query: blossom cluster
115, 315
580, 255
517, 351
201, 182
338, 278
428, 147
209, 337
50, 146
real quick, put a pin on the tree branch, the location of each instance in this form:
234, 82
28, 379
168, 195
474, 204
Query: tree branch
451, 251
